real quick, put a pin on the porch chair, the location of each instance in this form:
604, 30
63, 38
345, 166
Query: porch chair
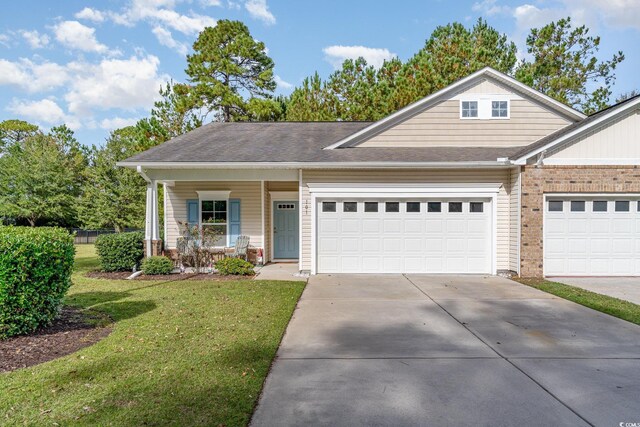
240, 250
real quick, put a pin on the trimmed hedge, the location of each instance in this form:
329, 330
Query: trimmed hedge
234, 266
120, 251
35, 273
157, 265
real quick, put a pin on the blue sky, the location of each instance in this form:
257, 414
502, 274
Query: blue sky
98, 65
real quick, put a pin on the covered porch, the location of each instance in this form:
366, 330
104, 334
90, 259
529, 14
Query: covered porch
264, 205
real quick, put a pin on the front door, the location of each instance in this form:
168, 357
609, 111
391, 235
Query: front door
285, 230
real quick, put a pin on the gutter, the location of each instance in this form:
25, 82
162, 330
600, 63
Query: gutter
502, 162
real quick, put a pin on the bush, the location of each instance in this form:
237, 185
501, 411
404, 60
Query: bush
120, 251
157, 265
234, 266
35, 273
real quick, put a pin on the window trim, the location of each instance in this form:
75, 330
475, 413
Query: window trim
201, 224
217, 195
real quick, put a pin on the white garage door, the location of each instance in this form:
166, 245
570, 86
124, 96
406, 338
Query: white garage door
404, 236
592, 236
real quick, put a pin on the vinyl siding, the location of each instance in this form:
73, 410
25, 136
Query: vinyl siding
248, 192
504, 213
441, 125
514, 220
617, 140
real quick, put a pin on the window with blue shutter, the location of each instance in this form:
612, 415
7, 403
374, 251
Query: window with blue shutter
234, 220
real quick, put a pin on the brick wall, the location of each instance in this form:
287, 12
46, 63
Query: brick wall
537, 181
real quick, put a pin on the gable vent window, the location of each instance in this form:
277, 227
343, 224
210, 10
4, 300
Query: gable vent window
500, 109
469, 109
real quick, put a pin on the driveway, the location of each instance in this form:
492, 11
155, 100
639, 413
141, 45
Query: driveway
449, 350
626, 288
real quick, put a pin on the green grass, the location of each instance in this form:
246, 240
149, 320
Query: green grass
181, 353
615, 307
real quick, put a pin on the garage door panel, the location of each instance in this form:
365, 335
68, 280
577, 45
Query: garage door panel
398, 242
592, 242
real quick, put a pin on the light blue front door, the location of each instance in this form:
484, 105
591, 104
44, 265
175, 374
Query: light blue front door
285, 230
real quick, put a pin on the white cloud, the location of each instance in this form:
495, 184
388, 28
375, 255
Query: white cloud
337, 54
90, 15
165, 38
489, 8
32, 77
161, 11
126, 84
281, 83
117, 122
258, 9
74, 35
4, 40
211, 3
35, 39
44, 110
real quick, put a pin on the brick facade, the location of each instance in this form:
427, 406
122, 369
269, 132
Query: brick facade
538, 180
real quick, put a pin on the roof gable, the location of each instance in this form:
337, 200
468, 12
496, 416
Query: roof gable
485, 76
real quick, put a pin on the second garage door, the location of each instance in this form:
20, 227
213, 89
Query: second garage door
404, 236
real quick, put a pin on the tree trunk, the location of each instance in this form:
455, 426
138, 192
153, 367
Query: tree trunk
117, 228
32, 222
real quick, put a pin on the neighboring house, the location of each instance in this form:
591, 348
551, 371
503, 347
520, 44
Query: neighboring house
484, 176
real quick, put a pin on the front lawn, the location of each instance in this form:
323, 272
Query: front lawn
181, 353
616, 307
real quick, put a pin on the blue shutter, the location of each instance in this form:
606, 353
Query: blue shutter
234, 220
193, 213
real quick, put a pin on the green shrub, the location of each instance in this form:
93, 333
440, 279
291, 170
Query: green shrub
157, 265
120, 251
35, 273
234, 266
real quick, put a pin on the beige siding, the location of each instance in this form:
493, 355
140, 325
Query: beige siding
267, 220
248, 192
283, 186
415, 176
514, 220
618, 140
441, 124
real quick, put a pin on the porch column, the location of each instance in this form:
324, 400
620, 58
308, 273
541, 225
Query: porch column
151, 229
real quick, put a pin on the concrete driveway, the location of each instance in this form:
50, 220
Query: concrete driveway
449, 350
626, 288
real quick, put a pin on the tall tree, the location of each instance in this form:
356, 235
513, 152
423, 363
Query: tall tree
627, 95
565, 67
114, 197
15, 131
41, 178
230, 73
310, 102
451, 53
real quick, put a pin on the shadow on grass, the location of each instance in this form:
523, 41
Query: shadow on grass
110, 303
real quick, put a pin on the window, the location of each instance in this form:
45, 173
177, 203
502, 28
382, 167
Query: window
350, 207
328, 206
392, 207
286, 206
213, 214
622, 206
499, 109
469, 109
476, 207
555, 205
434, 207
371, 206
413, 206
577, 205
455, 207
599, 205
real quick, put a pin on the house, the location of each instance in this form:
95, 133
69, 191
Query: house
485, 176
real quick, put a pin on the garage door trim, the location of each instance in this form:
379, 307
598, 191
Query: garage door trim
405, 190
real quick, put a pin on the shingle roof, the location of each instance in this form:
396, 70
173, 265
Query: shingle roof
570, 128
259, 142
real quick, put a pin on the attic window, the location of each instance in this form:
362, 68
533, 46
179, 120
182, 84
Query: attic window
469, 109
499, 109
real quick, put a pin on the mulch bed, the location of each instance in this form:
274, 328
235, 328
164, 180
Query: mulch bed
70, 332
122, 275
